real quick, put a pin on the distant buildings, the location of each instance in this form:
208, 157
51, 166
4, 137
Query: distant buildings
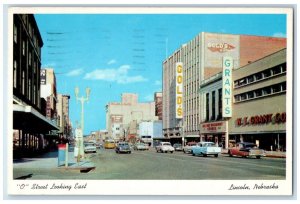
63, 117
158, 104
122, 118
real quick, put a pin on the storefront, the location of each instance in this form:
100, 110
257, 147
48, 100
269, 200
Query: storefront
214, 132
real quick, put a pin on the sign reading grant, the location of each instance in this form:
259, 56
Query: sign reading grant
179, 81
227, 87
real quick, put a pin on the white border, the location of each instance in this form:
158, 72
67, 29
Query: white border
178, 187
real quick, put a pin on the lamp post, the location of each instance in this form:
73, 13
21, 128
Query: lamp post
82, 100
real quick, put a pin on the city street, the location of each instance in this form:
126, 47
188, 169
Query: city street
147, 165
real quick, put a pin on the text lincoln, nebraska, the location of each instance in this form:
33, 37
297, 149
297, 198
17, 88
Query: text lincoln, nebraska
255, 187
60, 186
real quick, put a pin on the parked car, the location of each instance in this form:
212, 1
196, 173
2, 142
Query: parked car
90, 147
206, 148
188, 147
246, 149
164, 147
123, 147
141, 146
177, 146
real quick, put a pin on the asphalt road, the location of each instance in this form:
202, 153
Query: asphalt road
149, 165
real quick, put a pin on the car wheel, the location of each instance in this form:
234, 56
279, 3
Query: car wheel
216, 155
193, 154
205, 155
230, 154
171, 152
257, 157
183, 151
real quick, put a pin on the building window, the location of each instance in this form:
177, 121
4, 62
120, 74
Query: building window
29, 58
250, 94
220, 104
34, 94
213, 110
258, 76
243, 96
258, 93
266, 91
23, 82
29, 89
276, 88
15, 74
237, 98
251, 79
23, 48
283, 86
283, 67
267, 73
207, 106
15, 34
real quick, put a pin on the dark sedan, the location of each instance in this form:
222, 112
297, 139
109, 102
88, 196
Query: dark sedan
123, 147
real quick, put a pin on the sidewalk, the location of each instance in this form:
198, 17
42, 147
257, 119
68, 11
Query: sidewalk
273, 154
50, 160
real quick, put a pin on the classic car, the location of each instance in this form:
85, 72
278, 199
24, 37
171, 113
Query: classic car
90, 147
141, 146
206, 148
188, 147
123, 147
164, 147
246, 149
177, 146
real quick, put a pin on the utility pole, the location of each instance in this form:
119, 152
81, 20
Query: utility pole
80, 138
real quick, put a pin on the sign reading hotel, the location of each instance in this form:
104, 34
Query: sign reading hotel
179, 80
227, 87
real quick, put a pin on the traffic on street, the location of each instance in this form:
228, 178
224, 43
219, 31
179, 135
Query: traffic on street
153, 165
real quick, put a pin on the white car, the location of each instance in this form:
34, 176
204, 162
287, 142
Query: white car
90, 147
164, 147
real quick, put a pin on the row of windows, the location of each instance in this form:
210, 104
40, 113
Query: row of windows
260, 75
266, 91
213, 115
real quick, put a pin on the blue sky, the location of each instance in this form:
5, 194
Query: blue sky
113, 54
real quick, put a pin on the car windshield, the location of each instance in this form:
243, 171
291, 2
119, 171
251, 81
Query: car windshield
166, 144
89, 144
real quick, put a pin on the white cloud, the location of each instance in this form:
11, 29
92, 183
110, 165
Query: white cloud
75, 72
149, 97
157, 82
279, 35
113, 61
119, 75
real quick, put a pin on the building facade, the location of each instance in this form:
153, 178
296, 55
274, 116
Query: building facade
29, 122
158, 104
122, 118
258, 108
63, 118
259, 105
48, 92
201, 58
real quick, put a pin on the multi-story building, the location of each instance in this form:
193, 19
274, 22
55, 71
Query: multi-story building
197, 60
122, 118
48, 92
259, 105
29, 124
63, 115
158, 104
258, 108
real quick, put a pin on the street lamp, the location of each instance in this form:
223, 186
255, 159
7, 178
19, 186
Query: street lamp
82, 100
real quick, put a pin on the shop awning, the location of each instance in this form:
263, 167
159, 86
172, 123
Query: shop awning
30, 120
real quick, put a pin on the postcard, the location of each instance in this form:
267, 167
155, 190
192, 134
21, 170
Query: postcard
149, 101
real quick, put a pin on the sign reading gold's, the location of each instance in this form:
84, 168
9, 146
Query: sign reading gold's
179, 80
